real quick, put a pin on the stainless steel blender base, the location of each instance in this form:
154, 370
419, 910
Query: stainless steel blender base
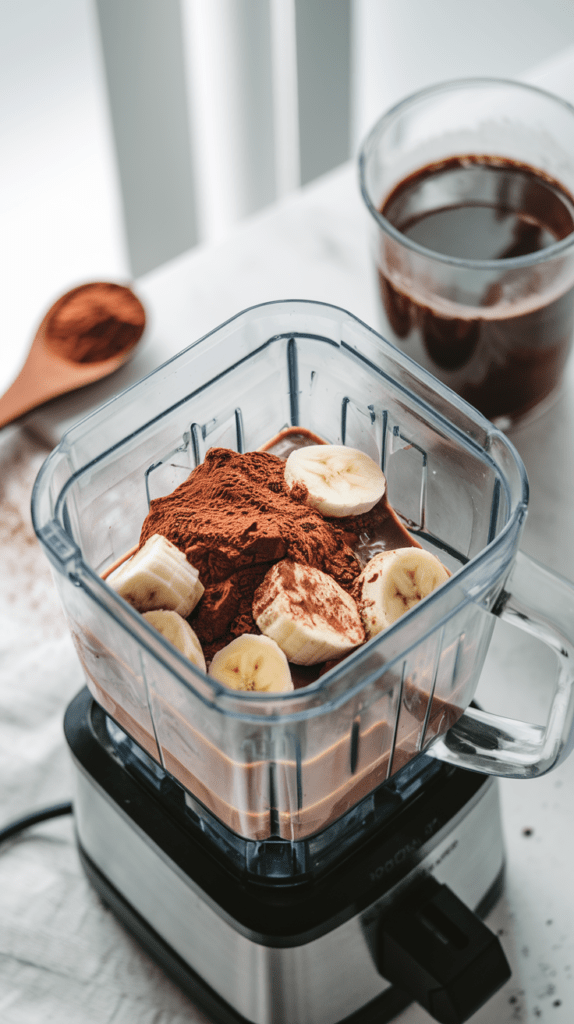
380, 1011
324, 974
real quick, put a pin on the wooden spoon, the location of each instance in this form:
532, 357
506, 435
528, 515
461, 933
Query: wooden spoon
86, 335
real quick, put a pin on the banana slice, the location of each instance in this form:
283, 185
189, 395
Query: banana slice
158, 576
394, 581
179, 633
252, 663
340, 481
307, 613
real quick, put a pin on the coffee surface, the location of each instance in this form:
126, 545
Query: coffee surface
498, 337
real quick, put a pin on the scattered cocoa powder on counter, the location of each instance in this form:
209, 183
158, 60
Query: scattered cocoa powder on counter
29, 601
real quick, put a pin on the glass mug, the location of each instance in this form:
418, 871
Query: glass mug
470, 185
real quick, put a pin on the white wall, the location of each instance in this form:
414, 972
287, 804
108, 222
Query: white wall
403, 45
60, 211
141, 44
231, 109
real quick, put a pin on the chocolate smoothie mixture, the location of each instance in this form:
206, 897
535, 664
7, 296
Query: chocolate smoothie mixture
234, 517
506, 350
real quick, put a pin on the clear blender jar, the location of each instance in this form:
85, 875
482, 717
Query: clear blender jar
290, 765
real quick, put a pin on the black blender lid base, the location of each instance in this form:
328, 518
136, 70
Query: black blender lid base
381, 1010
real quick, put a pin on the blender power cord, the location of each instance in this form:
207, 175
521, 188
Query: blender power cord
56, 811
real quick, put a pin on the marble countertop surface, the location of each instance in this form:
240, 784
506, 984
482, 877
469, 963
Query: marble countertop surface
63, 956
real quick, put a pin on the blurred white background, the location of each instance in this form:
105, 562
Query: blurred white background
132, 130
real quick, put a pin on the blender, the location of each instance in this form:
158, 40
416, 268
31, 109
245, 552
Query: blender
325, 855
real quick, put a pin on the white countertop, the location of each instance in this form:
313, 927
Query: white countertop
63, 957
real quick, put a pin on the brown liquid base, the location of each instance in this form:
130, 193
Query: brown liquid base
502, 355
304, 795
238, 793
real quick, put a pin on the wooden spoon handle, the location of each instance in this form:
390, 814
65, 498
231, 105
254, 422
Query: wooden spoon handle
37, 381
46, 375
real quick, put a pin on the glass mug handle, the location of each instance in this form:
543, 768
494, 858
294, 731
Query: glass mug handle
542, 604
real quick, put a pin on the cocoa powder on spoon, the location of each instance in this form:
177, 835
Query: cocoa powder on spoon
94, 322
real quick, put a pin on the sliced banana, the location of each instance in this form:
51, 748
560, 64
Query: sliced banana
394, 581
307, 613
179, 633
340, 481
158, 576
254, 664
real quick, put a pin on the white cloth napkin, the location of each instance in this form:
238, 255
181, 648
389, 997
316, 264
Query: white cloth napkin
63, 956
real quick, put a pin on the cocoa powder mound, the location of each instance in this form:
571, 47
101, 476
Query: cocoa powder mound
234, 517
94, 322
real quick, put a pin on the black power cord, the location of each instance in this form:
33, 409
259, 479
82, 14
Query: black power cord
56, 811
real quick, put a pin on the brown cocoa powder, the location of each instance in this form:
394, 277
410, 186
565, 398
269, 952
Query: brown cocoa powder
94, 322
234, 517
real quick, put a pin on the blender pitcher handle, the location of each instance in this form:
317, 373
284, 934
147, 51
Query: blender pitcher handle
541, 603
